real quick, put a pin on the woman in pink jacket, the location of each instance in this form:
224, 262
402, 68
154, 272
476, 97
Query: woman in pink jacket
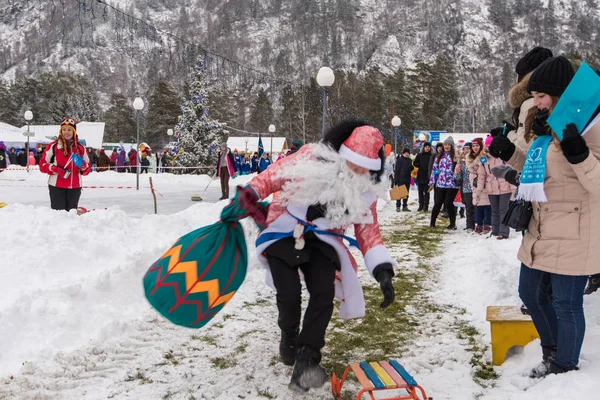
318, 192
499, 192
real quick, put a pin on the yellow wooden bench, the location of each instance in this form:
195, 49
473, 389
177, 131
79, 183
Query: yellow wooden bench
509, 327
380, 376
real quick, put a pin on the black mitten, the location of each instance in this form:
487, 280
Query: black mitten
573, 145
502, 148
384, 273
540, 124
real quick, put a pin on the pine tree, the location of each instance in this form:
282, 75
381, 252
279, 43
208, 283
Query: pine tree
162, 114
119, 118
199, 135
549, 26
290, 122
371, 97
262, 113
8, 107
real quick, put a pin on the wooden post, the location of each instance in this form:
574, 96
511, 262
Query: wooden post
153, 195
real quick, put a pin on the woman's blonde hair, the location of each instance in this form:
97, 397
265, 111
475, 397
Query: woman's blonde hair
529, 134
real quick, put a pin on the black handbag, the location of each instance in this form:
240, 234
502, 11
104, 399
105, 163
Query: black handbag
518, 215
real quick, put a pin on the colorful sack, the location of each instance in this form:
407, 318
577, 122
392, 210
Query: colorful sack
200, 273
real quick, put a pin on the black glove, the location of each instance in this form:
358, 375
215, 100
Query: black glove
513, 177
573, 145
384, 273
497, 131
540, 124
502, 148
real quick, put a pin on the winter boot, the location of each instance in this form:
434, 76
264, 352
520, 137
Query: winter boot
451, 227
307, 371
420, 209
543, 368
405, 208
397, 209
593, 284
287, 347
486, 229
479, 229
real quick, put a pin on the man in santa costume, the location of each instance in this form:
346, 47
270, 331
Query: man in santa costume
319, 191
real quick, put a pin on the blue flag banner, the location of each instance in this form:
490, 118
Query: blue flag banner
578, 103
261, 148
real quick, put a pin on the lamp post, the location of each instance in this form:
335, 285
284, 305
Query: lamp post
272, 130
325, 79
28, 117
138, 105
396, 122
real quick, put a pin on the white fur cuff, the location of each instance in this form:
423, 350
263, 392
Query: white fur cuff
359, 159
377, 255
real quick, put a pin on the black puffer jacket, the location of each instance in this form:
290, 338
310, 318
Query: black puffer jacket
422, 162
403, 170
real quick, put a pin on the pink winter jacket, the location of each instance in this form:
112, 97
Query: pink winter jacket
487, 180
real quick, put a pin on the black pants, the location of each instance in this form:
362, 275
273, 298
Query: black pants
224, 175
319, 275
470, 209
444, 197
423, 189
404, 200
64, 199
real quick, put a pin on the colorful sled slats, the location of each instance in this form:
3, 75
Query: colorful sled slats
362, 378
385, 378
393, 374
403, 373
372, 375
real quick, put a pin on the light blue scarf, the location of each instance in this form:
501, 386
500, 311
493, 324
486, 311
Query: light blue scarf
534, 171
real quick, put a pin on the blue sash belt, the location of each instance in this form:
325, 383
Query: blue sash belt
268, 236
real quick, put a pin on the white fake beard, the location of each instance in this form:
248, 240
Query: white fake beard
322, 176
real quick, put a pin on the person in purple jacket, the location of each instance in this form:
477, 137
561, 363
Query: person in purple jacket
442, 181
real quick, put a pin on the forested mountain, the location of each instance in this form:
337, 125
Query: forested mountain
439, 64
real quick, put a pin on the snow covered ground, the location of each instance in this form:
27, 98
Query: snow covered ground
74, 323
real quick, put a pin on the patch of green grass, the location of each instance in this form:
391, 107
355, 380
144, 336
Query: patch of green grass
241, 348
222, 362
265, 393
211, 340
385, 333
257, 302
248, 333
139, 375
274, 360
218, 325
227, 316
483, 372
170, 357
168, 395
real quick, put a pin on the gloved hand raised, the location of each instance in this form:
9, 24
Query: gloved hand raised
502, 148
384, 273
573, 145
507, 173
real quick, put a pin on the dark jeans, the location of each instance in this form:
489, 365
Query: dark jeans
444, 197
319, 275
499, 204
469, 209
404, 200
423, 189
483, 215
64, 199
559, 321
224, 175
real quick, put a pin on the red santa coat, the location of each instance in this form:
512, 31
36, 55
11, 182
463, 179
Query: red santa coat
283, 219
73, 181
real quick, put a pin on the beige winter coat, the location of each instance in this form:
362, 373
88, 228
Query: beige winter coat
564, 233
520, 97
480, 194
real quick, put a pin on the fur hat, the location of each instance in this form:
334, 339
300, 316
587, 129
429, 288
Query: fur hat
552, 76
362, 147
531, 61
449, 140
68, 122
427, 144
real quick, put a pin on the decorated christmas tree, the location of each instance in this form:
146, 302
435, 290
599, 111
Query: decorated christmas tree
199, 135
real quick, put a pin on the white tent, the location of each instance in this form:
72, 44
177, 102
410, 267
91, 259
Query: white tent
250, 144
11, 136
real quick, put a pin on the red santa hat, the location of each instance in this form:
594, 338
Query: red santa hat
362, 147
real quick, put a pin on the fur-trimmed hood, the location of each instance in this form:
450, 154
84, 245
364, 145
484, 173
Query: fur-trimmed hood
473, 162
518, 93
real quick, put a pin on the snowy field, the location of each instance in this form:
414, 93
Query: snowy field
74, 323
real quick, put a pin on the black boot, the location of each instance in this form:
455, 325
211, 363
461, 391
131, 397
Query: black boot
543, 369
307, 371
287, 347
593, 284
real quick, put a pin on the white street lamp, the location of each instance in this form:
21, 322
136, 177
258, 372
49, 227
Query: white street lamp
272, 130
325, 79
396, 122
138, 105
170, 132
28, 117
